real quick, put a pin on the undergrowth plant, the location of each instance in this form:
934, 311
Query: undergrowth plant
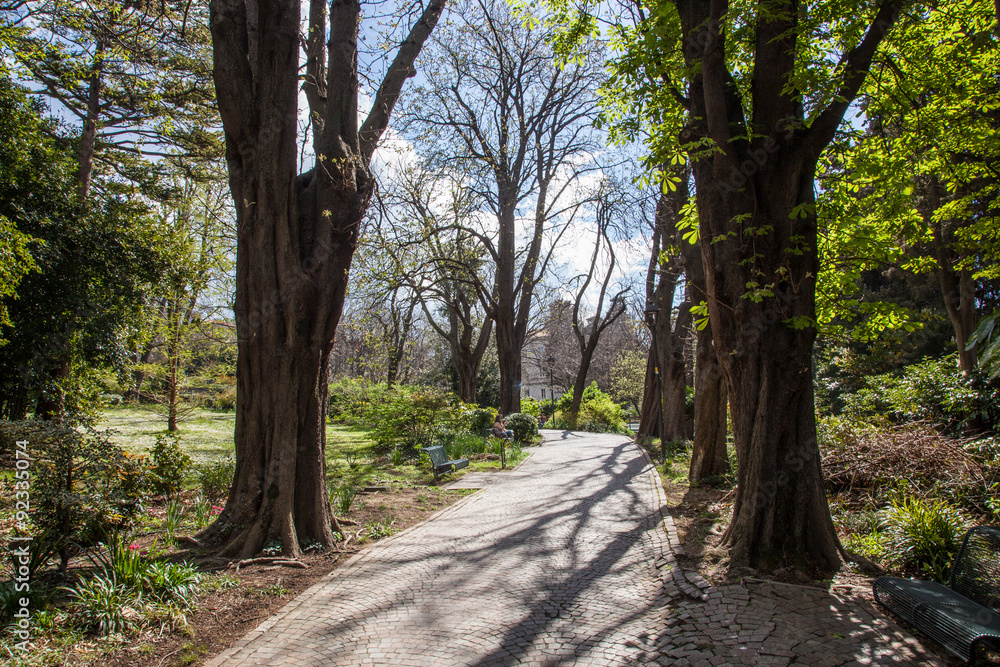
923, 535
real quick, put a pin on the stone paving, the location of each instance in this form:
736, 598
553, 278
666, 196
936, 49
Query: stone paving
568, 560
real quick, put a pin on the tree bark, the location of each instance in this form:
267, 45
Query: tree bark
709, 458
649, 413
88, 138
758, 234
296, 237
958, 291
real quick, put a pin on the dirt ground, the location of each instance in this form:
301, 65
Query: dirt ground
260, 590
701, 515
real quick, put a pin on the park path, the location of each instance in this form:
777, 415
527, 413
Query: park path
566, 560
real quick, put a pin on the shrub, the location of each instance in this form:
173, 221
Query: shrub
170, 465
598, 413
523, 425
923, 536
350, 400
226, 399
83, 487
216, 477
413, 417
934, 390
530, 406
481, 419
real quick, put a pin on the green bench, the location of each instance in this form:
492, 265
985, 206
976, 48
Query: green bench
963, 616
440, 461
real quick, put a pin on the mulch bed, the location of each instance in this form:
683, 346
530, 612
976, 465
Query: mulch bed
225, 615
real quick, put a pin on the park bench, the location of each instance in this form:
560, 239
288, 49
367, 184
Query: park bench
964, 616
440, 460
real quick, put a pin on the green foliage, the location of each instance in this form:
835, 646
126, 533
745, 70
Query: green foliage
481, 419
524, 426
402, 415
530, 406
174, 518
987, 338
102, 606
935, 390
342, 497
216, 477
170, 465
598, 413
83, 487
924, 536
127, 586
376, 530
628, 379
350, 399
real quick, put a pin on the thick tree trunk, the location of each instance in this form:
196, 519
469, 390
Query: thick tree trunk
296, 236
709, 458
509, 344
674, 376
758, 235
649, 413
580, 383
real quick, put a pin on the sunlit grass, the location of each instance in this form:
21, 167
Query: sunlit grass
207, 435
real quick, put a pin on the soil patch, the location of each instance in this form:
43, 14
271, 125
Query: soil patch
260, 590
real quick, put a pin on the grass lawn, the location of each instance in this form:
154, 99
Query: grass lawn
207, 436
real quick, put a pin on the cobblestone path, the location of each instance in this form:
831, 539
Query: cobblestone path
565, 561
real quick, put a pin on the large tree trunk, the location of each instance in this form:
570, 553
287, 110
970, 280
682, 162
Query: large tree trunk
709, 458
509, 344
468, 358
649, 413
758, 234
673, 369
296, 237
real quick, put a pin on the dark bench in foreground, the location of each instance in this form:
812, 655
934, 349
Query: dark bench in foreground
964, 616
440, 460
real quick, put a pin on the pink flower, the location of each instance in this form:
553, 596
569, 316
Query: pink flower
215, 510
133, 546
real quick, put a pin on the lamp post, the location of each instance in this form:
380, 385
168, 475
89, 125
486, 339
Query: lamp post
552, 392
651, 311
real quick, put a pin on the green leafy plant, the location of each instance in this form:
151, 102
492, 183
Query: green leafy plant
481, 419
120, 560
170, 465
342, 497
84, 488
178, 583
923, 535
524, 426
104, 606
216, 477
174, 518
378, 529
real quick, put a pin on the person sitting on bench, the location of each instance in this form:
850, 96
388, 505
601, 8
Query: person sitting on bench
500, 429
